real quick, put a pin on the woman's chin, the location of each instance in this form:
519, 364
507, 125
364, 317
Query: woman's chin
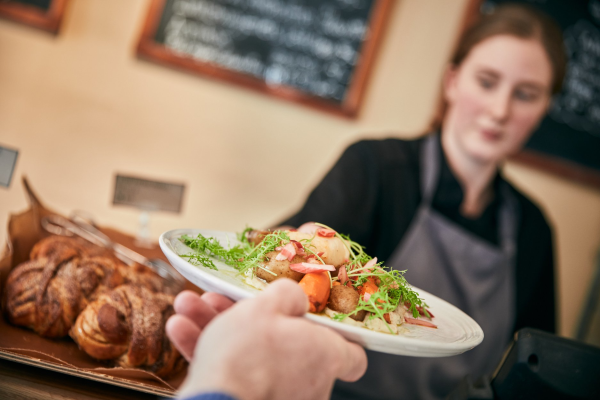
487, 153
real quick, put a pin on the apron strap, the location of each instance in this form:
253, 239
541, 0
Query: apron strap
508, 214
430, 167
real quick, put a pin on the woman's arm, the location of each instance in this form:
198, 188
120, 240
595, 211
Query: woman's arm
535, 275
345, 198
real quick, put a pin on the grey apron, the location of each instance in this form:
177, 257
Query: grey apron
446, 260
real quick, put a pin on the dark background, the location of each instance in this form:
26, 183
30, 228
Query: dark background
43, 4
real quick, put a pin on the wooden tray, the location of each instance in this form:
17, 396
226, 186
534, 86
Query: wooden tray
63, 355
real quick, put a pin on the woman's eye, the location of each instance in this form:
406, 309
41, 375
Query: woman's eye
486, 83
525, 95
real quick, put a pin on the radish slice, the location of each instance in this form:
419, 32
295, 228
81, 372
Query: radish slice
287, 253
367, 296
371, 263
343, 275
309, 227
299, 248
326, 233
307, 268
414, 321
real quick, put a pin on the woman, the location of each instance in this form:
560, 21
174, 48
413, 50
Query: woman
438, 207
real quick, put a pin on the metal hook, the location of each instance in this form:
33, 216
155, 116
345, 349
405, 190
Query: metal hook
85, 227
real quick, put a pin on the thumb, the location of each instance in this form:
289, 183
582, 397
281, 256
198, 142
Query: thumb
284, 296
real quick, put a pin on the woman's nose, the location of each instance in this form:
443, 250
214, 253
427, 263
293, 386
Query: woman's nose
499, 106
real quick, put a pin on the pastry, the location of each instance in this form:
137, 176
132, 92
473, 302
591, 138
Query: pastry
48, 292
127, 325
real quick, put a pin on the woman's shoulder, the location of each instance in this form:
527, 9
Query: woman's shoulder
388, 151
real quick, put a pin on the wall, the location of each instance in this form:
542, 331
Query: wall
80, 107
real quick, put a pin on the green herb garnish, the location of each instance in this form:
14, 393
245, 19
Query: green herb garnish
392, 286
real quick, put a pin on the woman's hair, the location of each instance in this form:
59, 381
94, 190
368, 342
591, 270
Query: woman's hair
518, 20
524, 22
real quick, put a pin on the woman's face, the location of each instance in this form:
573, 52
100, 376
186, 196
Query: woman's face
496, 97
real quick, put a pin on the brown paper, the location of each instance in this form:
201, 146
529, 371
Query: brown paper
22, 345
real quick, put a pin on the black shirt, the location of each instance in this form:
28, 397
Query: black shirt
373, 192
449, 196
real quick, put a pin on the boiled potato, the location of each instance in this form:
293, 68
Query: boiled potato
334, 251
256, 236
281, 268
344, 299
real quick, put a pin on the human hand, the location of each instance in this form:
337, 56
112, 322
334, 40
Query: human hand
262, 348
194, 312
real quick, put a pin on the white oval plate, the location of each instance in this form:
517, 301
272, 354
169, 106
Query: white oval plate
456, 332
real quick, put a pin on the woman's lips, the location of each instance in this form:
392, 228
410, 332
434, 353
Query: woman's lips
491, 134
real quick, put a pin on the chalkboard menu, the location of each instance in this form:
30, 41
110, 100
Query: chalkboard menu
42, 14
316, 52
567, 141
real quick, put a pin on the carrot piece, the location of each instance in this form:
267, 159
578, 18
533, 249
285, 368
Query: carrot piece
368, 287
336, 283
316, 287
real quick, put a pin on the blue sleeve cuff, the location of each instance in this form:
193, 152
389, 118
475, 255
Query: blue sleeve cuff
211, 396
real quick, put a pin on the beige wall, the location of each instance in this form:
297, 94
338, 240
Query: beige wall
80, 107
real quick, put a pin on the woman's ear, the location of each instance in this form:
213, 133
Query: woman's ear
449, 82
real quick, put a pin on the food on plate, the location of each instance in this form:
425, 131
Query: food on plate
333, 249
127, 326
340, 280
344, 299
272, 268
316, 285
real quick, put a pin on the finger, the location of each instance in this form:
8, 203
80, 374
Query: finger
217, 301
184, 334
354, 363
192, 306
284, 296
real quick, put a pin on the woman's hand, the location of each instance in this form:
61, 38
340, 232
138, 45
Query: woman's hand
261, 348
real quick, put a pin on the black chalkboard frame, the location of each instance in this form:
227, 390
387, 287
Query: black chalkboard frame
561, 167
149, 49
48, 20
